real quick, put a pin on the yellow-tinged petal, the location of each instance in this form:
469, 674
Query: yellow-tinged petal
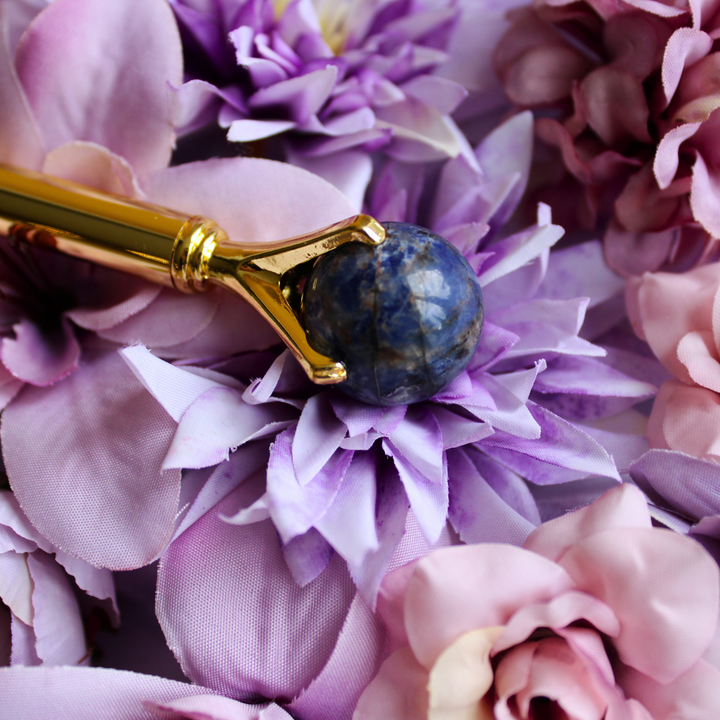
461, 677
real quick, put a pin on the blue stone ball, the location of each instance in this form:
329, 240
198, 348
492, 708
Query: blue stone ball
404, 317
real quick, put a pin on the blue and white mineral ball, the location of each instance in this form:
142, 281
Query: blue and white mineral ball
404, 317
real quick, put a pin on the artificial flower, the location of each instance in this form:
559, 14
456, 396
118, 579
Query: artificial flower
678, 317
683, 493
633, 116
598, 616
89, 693
337, 80
341, 474
40, 619
86, 98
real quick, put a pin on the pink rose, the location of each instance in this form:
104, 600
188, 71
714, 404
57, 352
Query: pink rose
679, 316
599, 616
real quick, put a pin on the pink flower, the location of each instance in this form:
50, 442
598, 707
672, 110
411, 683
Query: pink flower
599, 616
679, 316
633, 95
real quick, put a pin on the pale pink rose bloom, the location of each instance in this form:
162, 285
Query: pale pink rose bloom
599, 616
679, 316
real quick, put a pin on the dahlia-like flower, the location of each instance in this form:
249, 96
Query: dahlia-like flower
40, 619
85, 97
598, 616
627, 94
341, 474
337, 78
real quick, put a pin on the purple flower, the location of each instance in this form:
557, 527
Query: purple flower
337, 79
40, 620
82, 418
341, 474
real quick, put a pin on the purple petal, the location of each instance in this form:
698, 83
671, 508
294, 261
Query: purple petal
171, 319
59, 632
295, 508
317, 436
88, 693
217, 423
251, 130
16, 586
40, 357
580, 271
358, 417
419, 439
216, 615
101, 438
428, 499
477, 512
457, 430
561, 444
303, 96
307, 555
683, 482
23, 643
439, 93
16, 121
349, 523
77, 94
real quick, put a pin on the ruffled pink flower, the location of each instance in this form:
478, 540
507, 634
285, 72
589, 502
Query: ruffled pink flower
679, 316
40, 619
633, 96
335, 79
598, 616
85, 96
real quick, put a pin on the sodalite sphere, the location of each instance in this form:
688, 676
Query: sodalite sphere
404, 317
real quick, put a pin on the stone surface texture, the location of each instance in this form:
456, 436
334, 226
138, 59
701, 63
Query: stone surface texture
405, 317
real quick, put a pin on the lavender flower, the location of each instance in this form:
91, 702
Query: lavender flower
337, 79
341, 474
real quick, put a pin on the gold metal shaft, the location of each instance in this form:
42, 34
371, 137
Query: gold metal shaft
191, 253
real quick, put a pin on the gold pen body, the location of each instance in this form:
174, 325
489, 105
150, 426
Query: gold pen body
187, 252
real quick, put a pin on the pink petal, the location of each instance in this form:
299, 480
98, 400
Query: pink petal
251, 130
667, 160
644, 575
687, 419
252, 200
123, 102
685, 47
40, 357
101, 437
216, 615
22, 146
616, 106
656, 8
696, 694
399, 690
704, 196
559, 613
437, 605
622, 507
698, 353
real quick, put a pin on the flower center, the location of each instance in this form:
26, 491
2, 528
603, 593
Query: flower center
335, 17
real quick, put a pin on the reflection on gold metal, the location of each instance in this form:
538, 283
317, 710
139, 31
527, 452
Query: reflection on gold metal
191, 253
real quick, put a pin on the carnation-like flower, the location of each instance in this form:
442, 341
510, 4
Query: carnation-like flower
40, 620
599, 615
632, 90
86, 98
679, 317
89, 693
337, 78
341, 474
